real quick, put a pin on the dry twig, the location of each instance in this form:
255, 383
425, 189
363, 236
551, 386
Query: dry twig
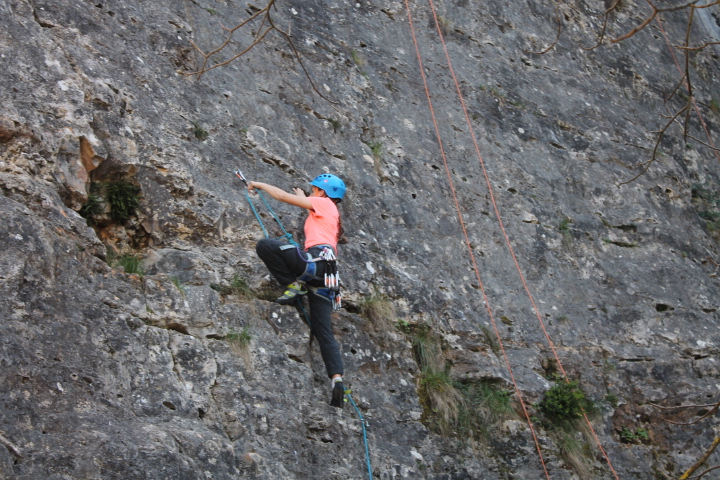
266, 26
699, 476
682, 114
557, 37
10, 446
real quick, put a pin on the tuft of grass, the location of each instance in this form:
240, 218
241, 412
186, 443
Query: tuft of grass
491, 340
564, 226
238, 286
445, 24
485, 405
440, 399
211, 11
426, 348
376, 148
358, 59
240, 343
575, 451
179, 285
715, 105
199, 132
132, 264
443, 398
91, 209
241, 338
379, 310
123, 197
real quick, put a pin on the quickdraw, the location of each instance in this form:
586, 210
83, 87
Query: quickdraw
332, 277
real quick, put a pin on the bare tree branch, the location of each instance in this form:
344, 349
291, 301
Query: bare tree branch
266, 26
697, 477
704, 144
10, 446
699, 47
683, 406
655, 12
713, 410
702, 459
717, 267
660, 133
297, 56
231, 32
606, 17
557, 37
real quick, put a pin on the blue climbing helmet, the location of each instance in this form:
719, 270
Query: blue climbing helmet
332, 185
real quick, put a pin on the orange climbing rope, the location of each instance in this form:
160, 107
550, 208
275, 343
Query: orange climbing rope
502, 227
467, 242
504, 232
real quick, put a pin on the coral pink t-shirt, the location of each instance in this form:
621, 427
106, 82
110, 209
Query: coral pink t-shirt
322, 225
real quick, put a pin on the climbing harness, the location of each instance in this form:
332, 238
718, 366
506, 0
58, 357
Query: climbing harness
331, 277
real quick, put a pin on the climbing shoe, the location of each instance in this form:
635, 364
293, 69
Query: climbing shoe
294, 290
338, 395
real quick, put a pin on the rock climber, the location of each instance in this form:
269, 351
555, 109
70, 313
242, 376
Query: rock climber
288, 264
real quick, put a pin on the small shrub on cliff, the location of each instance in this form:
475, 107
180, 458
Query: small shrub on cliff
638, 436
706, 198
92, 208
179, 285
564, 403
123, 198
199, 132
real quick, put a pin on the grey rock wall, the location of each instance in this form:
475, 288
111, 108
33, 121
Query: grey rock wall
108, 374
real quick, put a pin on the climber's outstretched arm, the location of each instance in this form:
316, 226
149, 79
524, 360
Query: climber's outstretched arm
299, 200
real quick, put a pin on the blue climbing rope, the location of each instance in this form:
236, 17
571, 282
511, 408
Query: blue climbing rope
364, 430
292, 241
285, 235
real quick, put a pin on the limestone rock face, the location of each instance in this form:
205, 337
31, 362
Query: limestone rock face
185, 370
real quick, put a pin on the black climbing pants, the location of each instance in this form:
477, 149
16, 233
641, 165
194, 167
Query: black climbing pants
286, 266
